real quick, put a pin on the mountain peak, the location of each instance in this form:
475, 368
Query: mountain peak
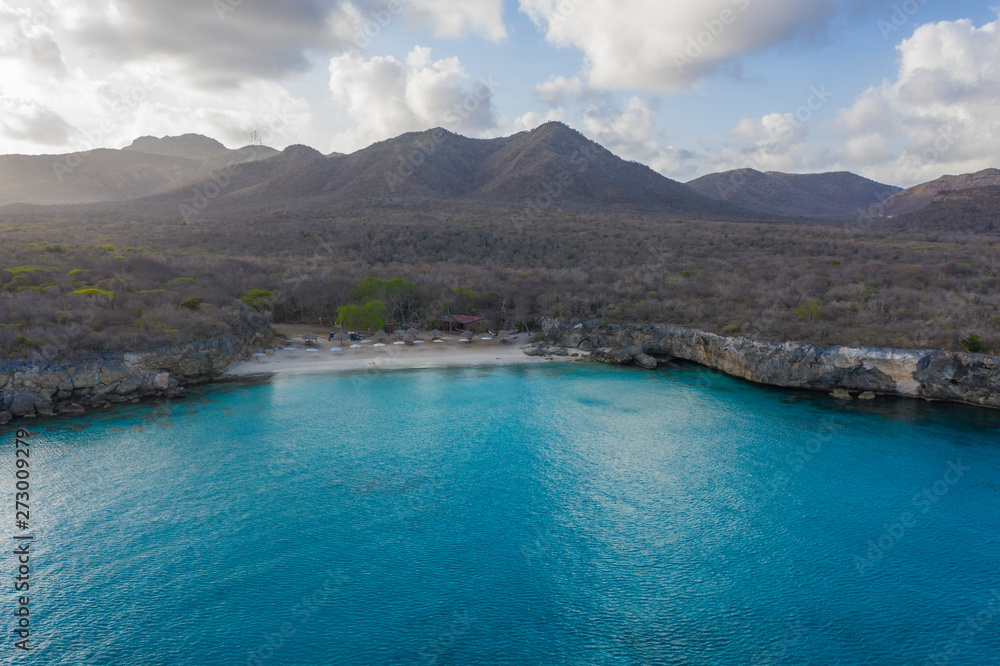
190, 146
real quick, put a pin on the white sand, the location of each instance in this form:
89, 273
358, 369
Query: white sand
429, 355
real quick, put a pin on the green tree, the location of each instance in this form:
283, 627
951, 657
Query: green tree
370, 316
972, 343
192, 304
258, 299
400, 296
465, 299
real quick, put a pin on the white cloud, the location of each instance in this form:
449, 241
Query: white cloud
667, 45
383, 97
633, 134
47, 104
453, 18
940, 115
558, 88
532, 120
775, 142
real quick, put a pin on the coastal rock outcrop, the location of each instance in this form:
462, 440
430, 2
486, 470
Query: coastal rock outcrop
37, 389
933, 375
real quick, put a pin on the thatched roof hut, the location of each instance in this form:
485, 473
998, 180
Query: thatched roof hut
380, 336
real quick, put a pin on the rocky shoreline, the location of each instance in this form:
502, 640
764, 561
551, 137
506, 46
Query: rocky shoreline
845, 372
36, 389
30, 390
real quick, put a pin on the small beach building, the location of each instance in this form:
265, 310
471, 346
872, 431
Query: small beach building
462, 321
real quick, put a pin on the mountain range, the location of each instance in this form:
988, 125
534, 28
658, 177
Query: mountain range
149, 165
836, 195
550, 169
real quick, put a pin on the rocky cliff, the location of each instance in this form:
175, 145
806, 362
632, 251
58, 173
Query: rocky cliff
32, 389
934, 375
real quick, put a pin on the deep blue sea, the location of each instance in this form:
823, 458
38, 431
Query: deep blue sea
571, 514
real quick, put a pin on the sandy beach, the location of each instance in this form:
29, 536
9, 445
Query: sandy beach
297, 359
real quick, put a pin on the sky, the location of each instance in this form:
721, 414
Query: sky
900, 91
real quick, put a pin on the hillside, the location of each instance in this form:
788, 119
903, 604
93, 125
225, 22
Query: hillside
550, 168
922, 195
974, 211
837, 195
147, 166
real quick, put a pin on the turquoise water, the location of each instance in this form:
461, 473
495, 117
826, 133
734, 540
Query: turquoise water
576, 514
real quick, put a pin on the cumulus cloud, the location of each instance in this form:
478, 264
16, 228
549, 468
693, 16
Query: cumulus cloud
775, 142
941, 114
384, 97
453, 18
46, 102
632, 133
558, 88
532, 120
219, 42
667, 45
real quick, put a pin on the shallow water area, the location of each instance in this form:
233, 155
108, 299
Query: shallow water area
511, 515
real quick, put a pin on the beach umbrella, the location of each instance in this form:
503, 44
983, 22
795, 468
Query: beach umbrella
409, 338
468, 336
436, 334
380, 336
341, 337
355, 346
310, 337
412, 331
336, 349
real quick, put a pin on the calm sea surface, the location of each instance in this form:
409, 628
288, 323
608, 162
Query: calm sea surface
576, 514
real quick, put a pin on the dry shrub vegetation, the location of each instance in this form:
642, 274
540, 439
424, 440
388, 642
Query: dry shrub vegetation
72, 285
